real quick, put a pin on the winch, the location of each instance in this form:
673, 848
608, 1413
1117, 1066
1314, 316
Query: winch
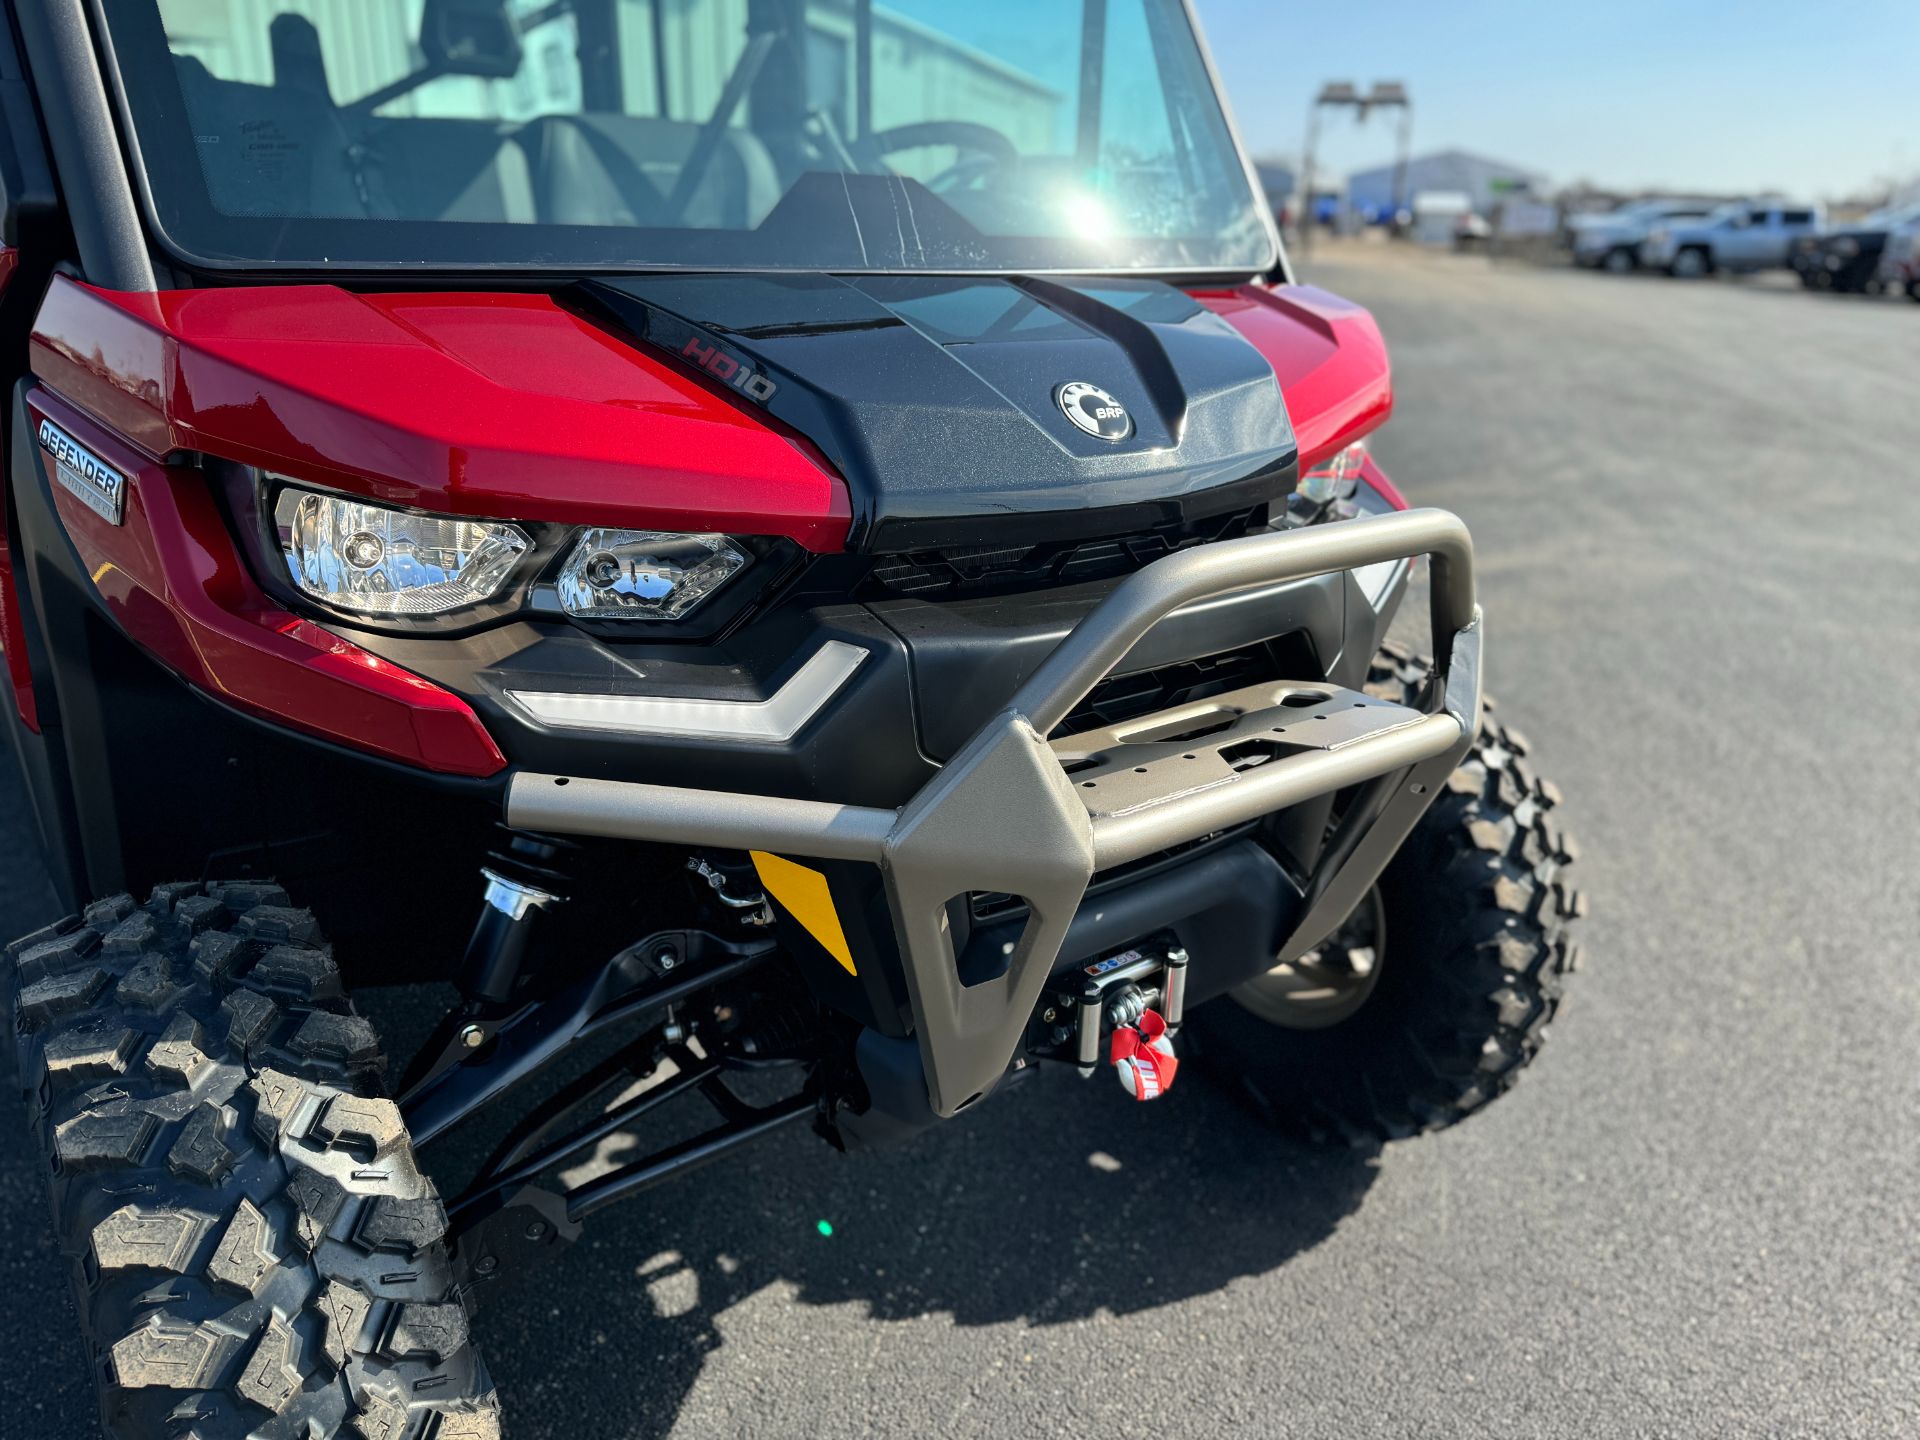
1136, 999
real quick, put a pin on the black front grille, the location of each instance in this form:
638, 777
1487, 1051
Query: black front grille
969, 570
989, 907
1124, 697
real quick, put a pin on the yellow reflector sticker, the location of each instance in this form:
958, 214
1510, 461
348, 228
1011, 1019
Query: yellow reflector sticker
805, 895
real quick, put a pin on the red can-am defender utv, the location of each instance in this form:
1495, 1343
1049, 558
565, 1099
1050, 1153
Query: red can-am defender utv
764, 535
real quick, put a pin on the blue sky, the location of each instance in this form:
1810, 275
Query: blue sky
1817, 99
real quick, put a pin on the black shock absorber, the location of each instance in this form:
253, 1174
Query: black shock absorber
524, 876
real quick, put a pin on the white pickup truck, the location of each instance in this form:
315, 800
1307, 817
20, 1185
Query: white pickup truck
1611, 241
1744, 237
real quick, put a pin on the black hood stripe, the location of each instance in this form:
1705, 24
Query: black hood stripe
936, 396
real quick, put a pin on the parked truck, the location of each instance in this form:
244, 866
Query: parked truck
1737, 238
1871, 254
1612, 241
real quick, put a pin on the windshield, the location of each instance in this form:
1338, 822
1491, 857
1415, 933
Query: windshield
990, 135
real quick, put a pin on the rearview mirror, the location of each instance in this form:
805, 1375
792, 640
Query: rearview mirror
470, 37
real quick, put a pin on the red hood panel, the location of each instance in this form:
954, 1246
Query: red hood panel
1328, 354
504, 405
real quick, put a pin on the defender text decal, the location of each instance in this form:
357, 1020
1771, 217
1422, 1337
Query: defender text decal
90, 480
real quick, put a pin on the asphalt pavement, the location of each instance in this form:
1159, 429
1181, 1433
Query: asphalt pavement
1696, 509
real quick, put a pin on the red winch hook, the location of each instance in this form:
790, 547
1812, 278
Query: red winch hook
1143, 1054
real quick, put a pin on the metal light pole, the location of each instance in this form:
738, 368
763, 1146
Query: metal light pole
1334, 92
1392, 93
1345, 94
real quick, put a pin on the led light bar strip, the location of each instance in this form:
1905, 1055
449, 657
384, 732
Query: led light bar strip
772, 721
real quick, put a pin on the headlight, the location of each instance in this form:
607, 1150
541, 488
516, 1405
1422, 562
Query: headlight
1334, 477
371, 560
645, 574
1337, 488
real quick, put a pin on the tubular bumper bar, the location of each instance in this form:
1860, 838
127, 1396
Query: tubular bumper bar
1006, 815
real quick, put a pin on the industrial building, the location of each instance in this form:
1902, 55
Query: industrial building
1371, 192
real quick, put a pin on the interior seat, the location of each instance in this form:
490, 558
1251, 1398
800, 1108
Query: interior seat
269, 150
604, 169
424, 168
284, 150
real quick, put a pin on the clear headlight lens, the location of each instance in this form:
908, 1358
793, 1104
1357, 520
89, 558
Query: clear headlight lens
645, 574
374, 561
1334, 477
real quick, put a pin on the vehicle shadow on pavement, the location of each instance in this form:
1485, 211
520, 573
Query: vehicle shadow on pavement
1054, 1202
1065, 1200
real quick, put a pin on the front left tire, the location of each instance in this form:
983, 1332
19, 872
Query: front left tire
255, 1252
1691, 263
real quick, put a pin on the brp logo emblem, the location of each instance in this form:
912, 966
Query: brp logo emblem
1094, 410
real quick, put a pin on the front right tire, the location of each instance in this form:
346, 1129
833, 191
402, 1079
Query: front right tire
254, 1249
1434, 997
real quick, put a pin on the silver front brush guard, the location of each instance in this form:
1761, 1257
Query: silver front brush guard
1005, 815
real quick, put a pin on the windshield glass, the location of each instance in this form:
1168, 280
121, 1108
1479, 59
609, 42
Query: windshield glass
990, 135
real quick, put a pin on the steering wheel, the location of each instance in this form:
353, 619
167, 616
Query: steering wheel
981, 140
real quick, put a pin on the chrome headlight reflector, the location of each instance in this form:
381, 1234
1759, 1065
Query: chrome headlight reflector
372, 560
645, 574
1333, 478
